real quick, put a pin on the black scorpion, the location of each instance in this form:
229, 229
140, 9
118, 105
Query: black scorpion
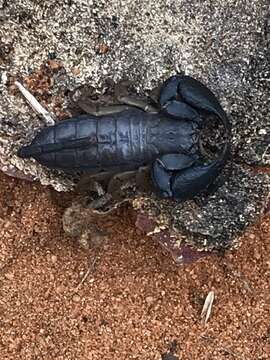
164, 135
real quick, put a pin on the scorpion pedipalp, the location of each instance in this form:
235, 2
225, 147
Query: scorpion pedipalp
164, 168
181, 176
181, 110
184, 177
182, 89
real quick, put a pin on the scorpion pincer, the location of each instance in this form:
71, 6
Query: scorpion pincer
130, 137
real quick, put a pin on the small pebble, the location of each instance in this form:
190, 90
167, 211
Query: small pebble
9, 276
76, 298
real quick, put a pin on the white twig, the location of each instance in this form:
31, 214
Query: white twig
35, 104
207, 307
90, 269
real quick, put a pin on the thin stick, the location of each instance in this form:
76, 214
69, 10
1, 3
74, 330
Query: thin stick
35, 104
207, 307
91, 267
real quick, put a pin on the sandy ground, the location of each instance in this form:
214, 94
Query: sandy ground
135, 303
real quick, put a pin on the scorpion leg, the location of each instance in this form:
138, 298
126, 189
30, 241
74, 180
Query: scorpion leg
121, 182
98, 110
87, 99
140, 103
122, 94
154, 93
122, 100
87, 182
143, 179
139, 179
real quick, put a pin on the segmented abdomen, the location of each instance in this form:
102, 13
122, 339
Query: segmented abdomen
92, 143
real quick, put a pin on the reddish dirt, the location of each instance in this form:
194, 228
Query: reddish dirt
135, 303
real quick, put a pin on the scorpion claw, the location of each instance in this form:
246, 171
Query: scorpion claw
173, 162
180, 94
192, 181
162, 179
180, 110
169, 90
181, 177
164, 167
198, 95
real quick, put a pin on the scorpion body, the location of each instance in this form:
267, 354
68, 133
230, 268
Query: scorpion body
168, 140
126, 140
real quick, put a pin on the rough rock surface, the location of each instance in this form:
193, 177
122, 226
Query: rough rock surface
56, 46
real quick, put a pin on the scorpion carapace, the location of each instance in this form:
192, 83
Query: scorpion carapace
167, 139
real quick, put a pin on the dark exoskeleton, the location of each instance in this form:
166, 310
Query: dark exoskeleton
164, 135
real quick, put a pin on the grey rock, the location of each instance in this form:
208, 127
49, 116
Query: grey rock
223, 44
